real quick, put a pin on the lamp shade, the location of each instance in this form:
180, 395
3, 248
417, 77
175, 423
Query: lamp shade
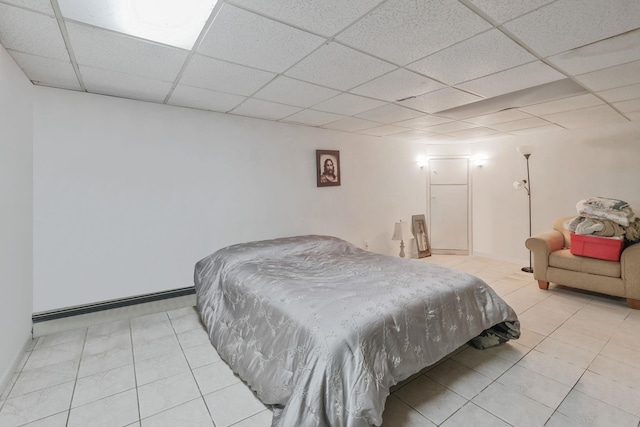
401, 231
525, 150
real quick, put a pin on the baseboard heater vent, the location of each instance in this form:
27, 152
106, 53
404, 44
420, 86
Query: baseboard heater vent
107, 305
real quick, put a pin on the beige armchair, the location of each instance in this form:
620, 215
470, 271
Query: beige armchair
553, 262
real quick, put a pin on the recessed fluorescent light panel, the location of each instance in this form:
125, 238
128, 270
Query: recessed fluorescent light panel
173, 22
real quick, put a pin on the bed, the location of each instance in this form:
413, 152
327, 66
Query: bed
321, 329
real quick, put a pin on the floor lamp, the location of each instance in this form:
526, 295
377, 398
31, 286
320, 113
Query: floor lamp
526, 151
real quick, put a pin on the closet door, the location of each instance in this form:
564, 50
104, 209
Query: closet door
449, 205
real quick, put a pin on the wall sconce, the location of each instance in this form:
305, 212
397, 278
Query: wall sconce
480, 162
422, 161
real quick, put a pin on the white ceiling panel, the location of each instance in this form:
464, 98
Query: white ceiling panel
450, 127
325, 17
609, 78
31, 32
602, 115
208, 73
499, 117
630, 106
107, 82
477, 132
413, 135
348, 104
567, 24
440, 100
404, 31
249, 39
398, 84
522, 77
478, 56
532, 122
289, 91
423, 122
265, 109
383, 130
313, 118
351, 124
390, 113
606, 53
43, 6
204, 99
572, 103
48, 72
633, 116
621, 93
104, 49
503, 11
339, 67
538, 130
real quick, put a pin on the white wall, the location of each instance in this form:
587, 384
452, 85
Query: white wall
16, 172
128, 196
566, 167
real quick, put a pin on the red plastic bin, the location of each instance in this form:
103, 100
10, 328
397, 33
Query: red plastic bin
596, 247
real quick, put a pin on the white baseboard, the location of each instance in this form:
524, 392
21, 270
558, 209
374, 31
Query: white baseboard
7, 377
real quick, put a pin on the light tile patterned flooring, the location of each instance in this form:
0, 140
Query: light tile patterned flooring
576, 364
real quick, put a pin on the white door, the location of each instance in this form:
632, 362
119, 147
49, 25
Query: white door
449, 205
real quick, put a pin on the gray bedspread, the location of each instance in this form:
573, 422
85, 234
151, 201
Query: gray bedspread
322, 329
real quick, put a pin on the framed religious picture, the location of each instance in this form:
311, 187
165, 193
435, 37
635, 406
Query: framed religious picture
419, 228
328, 168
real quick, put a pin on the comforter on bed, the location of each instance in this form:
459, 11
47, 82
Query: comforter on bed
322, 329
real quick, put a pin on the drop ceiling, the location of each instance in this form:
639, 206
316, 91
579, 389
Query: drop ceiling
433, 71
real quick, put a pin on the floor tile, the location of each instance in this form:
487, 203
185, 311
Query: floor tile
214, 377
261, 419
36, 405
536, 386
120, 339
434, 401
200, 355
107, 360
103, 384
610, 391
486, 363
456, 377
45, 377
193, 338
69, 337
187, 323
115, 327
182, 312
590, 411
190, 414
616, 371
160, 367
148, 333
166, 393
578, 340
512, 407
560, 420
398, 414
117, 410
472, 415
157, 347
57, 420
566, 352
52, 355
551, 367
232, 404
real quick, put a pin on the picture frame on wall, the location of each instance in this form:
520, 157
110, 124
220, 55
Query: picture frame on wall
419, 229
328, 171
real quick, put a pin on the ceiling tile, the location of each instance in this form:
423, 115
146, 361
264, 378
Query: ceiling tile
587, 117
443, 139
633, 116
440, 100
249, 39
503, 11
48, 72
325, 17
606, 53
478, 56
398, 84
339, 67
31, 32
499, 117
540, 129
313, 118
531, 122
630, 106
351, 124
476, 132
383, 130
112, 83
390, 113
294, 92
450, 127
403, 31
573, 23
208, 73
348, 104
43, 6
621, 93
522, 77
423, 122
100, 48
413, 135
265, 109
609, 78
193, 97
566, 104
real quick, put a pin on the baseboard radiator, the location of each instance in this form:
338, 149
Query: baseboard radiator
107, 305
